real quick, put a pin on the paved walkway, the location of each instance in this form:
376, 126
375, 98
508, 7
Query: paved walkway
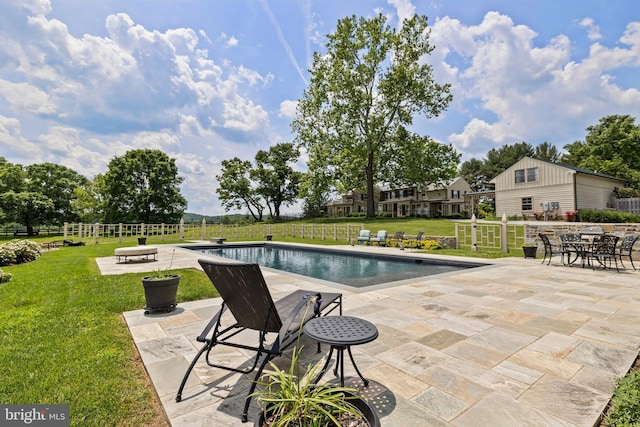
514, 344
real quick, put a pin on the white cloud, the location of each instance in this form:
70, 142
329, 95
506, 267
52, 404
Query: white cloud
533, 91
24, 96
288, 108
404, 8
592, 28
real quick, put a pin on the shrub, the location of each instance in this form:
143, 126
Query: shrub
4, 277
602, 216
18, 252
625, 404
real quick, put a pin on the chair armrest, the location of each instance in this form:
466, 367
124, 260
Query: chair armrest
315, 299
214, 321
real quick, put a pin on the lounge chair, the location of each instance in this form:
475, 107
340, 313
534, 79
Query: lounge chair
245, 294
626, 249
364, 237
419, 235
381, 238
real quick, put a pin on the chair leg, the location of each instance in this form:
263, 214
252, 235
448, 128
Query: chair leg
186, 375
254, 383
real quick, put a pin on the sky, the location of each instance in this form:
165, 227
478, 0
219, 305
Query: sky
82, 82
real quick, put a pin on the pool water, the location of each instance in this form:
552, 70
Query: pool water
356, 270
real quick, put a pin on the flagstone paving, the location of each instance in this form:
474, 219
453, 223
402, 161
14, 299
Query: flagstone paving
515, 343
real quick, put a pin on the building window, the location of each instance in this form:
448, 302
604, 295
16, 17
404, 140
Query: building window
527, 204
528, 175
532, 175
455, 194
519, 176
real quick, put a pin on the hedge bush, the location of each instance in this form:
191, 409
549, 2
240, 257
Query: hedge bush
601, 216
18, 251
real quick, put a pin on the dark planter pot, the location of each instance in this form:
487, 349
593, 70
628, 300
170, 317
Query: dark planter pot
269, 237
368, 413
160, 293
142, 240
530, 251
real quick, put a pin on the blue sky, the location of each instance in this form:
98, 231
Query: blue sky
84, 81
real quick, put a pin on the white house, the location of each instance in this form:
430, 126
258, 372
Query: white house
533, 185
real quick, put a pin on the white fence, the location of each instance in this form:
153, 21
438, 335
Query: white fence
118, 232
490, 235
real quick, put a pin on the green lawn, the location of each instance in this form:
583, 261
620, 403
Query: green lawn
64, 340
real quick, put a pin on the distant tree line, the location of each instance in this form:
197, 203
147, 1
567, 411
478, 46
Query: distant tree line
140, 186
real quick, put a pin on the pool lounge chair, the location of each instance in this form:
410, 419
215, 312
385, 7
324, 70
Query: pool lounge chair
364, 237
245, 294
381, 238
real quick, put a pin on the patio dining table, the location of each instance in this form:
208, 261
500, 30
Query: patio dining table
582, 250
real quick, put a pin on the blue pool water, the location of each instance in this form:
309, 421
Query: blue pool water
356, 270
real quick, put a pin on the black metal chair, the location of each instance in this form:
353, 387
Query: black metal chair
626, 249
550, 249
604, 251
245, 294
570, 248
419, 235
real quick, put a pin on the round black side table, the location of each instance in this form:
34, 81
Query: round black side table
340, 332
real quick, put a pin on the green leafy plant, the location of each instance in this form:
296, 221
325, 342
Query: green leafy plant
4, 277
625, 404
19, 251
291, 399
160, 273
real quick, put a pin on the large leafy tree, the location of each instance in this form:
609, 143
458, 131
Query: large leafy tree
362, 99
236, 188
277, 182
473, 172
548, 152
143, 186
58, 183
611, 147
504, 157
271, 181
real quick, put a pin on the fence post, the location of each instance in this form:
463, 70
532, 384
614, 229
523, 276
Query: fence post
95, 232
504, 235
474, 233
182, 229
457, 235
64, 232
204, 229
80, 232
162, 231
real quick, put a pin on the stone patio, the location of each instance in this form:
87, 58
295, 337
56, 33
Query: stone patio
514, 343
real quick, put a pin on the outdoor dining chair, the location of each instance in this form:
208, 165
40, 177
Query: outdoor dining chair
626, 249
571, 246
550, 249
245, 294
604, 251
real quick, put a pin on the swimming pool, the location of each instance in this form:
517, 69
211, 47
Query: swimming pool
357, 270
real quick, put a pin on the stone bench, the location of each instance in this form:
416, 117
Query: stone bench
137, 251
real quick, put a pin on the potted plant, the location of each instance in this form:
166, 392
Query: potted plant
292, 398
529, 250
160, 290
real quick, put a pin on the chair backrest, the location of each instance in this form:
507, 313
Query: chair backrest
545, 240
570, 237
399, 235
365, 233
419, 236
627, 244
244, 291
382, 235
605, 244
